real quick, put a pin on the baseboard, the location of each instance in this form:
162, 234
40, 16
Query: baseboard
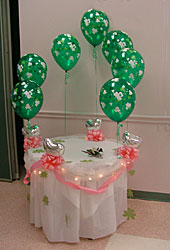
151, 196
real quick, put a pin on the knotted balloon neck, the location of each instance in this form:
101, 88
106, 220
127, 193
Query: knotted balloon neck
28, 125
94, 53
118, 131
67, 77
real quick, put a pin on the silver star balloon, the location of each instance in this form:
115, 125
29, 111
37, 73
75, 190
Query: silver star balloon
93, 123
131, 140
53, 148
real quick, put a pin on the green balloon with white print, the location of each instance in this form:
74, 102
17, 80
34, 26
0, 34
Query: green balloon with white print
32, 67
129, 65
115, 41
26, 99
66, 51
117, 99
94, 26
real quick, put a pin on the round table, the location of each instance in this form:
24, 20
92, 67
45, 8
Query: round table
66, 214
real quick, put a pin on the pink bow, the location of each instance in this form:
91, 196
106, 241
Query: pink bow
130, 154
95, 135
32, 142
50, 161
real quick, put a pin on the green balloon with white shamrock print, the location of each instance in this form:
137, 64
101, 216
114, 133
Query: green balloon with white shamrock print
114, 42
117, 99
66, 51
26, 99
129, 65
32, 67
94, 26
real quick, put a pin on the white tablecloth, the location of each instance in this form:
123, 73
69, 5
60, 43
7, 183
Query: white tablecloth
72, 213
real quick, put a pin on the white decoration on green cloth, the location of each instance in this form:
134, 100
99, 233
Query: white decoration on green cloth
37, 103
27, 106
117, 109
29, 74
28, 94
94, 31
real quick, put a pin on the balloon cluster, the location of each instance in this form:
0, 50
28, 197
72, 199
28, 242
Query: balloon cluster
27, 96
117, 96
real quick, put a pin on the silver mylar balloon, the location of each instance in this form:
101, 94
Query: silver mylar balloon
53, 148
25, 131
33, 131
93, 123
131, 140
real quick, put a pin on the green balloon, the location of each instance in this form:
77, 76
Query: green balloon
26, 99
66, 51
94, 26
32, 67
117, 99
114, 42
129, 65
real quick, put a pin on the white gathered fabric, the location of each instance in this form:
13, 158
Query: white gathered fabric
70, 213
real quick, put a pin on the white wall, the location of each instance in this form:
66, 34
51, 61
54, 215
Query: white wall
147, 23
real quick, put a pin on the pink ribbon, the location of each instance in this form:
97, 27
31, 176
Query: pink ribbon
87, 190
32, 142
51, 162
95, 135
27, 177
129, 154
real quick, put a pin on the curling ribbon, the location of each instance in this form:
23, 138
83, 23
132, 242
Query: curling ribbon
67, 77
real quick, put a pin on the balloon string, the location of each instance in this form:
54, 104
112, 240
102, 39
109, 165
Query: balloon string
95, 68
118, 131
127, 126
65, 101
65, 113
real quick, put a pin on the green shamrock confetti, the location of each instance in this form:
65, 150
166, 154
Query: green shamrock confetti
44, 174
130, 194
38, 151
132, 172
66, 220
58, 140
86, 160
45, 200
114, 149
28, 197
130, 213
68, 161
